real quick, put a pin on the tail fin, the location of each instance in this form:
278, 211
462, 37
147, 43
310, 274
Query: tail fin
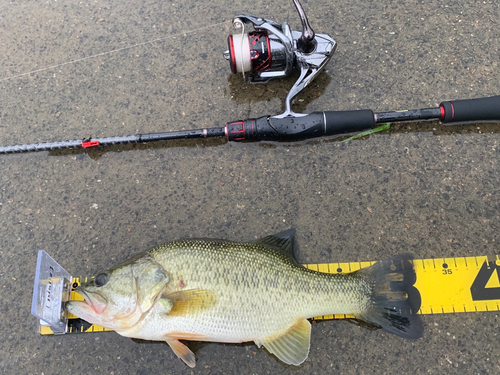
394, 300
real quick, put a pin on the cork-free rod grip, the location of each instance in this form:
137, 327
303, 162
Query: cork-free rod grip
481, 109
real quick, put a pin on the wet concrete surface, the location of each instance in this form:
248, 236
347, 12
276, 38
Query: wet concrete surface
103, 68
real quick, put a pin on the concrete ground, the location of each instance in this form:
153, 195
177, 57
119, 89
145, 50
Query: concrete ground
75, 69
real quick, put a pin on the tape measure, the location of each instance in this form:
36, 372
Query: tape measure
446, 285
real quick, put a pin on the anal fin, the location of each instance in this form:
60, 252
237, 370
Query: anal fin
292, 345
182, 351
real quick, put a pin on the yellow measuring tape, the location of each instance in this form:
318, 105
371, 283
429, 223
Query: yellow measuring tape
446, 285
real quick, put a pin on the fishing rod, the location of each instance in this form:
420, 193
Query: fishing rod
265, 50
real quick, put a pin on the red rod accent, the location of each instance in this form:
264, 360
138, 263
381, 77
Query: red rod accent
90, 144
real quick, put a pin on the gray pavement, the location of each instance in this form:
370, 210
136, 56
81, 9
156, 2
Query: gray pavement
74, 69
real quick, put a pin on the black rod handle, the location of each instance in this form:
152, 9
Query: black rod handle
294, 128
276, 129
480, 109
339, 122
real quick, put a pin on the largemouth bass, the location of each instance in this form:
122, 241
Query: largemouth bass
232, 292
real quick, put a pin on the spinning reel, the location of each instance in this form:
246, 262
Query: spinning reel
266, 49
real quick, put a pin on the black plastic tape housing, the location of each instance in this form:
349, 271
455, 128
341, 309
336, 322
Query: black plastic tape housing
481, 109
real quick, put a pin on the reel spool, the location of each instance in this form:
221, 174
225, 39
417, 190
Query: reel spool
257, 52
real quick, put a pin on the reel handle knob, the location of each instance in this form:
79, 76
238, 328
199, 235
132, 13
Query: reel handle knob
306, 43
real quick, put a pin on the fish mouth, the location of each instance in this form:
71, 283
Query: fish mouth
96, 301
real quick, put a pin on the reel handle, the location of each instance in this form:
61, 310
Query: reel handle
306, 43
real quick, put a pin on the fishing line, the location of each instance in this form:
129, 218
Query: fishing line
110, 52
241, 48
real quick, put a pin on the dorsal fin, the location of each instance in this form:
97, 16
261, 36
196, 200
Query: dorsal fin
283, 242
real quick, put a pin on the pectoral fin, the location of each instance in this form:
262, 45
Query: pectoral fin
182, 351
291, 346
188, 302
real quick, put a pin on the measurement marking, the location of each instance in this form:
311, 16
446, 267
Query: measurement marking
455, 261
466, 265
432, 312
423, 264
475, 258
453, 307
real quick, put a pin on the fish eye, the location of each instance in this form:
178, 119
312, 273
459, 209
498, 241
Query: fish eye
101, 279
